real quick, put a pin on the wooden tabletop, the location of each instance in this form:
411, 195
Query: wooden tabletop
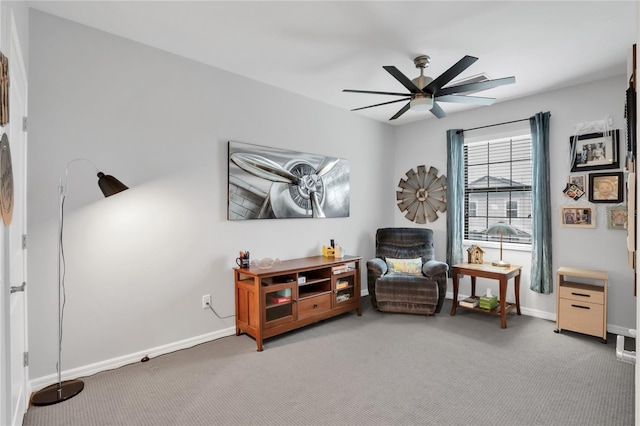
486, 267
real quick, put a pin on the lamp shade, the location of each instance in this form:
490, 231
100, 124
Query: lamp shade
501, 228
110, 185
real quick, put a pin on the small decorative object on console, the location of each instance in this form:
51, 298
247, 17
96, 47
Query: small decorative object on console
266, 263
244, 261
328, 251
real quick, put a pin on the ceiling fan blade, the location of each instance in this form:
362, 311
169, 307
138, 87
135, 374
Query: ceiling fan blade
437, 111
402, 111
461, 99
403, 79
476, 87
375, 93
449, 74
384, 103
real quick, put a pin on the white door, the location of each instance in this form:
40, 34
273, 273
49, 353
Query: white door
15, 256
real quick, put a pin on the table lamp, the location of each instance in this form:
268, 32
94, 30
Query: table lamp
61, 391
501, 228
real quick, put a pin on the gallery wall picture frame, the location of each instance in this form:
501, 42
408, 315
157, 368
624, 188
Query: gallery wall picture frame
617, 217
578, 216
578, 180
606, 187
595, 151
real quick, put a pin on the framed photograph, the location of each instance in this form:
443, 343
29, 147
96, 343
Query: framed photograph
578, 180
578, 216
617, 217
595, 151
573, 191
606, 187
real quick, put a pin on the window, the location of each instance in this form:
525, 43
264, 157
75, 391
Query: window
498, 188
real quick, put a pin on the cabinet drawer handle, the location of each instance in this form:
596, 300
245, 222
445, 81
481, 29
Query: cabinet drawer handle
581, 307
581, 294
315, 306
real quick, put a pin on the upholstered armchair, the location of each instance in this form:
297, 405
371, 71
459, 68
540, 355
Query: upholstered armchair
404, 277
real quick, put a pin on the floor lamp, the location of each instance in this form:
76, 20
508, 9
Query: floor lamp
61, 391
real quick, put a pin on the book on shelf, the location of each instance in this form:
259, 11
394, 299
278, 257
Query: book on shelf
279, 299
342, 284
469, 302
340, 269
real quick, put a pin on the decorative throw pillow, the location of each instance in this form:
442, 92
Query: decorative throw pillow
405, 266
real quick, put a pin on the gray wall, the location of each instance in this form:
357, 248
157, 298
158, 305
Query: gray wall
599, 248
139, 263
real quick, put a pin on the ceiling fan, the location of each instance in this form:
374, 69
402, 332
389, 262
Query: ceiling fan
425, 91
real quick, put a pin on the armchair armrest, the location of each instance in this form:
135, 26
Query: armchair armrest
377, 266
432, 268
375, 269
437, 271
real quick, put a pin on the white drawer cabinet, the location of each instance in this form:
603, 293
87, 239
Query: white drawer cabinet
582, 307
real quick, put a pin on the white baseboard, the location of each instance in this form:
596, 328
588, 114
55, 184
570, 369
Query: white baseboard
109, 364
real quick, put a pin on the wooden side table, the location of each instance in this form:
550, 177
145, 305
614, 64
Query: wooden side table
486, 270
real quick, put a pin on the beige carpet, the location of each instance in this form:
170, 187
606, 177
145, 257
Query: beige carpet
377, 369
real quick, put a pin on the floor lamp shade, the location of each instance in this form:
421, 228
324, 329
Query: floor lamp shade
61, 391
110, 185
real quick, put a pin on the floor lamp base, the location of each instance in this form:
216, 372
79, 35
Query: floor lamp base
50, 395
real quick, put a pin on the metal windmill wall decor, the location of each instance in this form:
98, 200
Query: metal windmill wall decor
422, 194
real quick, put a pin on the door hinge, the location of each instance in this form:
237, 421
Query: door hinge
24, 124
24, 241
25, 359
16, 289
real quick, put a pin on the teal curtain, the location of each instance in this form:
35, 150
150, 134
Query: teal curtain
455, 193
541, 259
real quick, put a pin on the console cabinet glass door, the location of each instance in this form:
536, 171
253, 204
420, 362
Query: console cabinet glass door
344, 288
279, 297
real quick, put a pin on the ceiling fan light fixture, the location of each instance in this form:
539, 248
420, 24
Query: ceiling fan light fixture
421, 104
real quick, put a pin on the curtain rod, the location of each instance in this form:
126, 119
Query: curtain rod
492, 125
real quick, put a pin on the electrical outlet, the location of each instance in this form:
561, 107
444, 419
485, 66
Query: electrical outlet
206, 301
